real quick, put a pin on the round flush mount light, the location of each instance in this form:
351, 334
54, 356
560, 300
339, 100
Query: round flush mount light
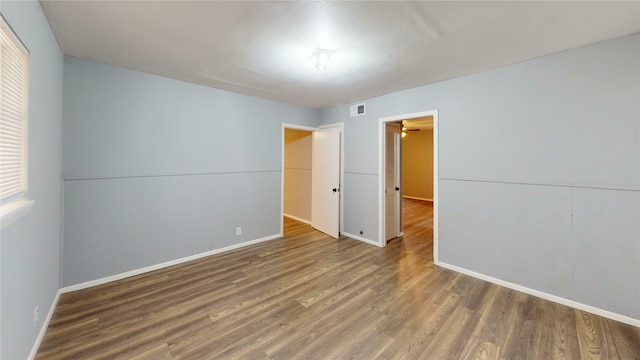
322, 58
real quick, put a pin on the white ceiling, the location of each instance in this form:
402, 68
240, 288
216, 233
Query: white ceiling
264, 48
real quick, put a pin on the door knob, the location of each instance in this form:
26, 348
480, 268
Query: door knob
397, 188
336, 189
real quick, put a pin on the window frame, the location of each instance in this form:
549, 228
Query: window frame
16, 205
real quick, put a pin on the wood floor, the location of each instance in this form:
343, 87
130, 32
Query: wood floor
417, 226
307, 296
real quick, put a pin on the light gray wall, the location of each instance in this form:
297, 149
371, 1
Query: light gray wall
158, 169
539, 171
30, 248
297, 173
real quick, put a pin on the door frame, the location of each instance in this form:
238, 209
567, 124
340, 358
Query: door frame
338, 127
397, 155
381, 154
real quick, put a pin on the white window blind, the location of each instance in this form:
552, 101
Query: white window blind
14, 82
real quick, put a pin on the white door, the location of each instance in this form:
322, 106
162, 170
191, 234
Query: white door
392, 181
325, 182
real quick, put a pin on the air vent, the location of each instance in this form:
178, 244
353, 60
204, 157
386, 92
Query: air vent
357, 110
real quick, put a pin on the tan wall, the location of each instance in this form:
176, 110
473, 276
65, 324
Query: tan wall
417, 164
297, 173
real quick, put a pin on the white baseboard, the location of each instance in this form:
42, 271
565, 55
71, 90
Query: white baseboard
147, 269
557, 299
43, 329
416, 198
296, 218
360, 238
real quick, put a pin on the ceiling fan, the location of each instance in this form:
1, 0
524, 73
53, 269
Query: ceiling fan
405, 129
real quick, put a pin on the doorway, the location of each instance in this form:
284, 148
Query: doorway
297, 162
311, 177
384, 147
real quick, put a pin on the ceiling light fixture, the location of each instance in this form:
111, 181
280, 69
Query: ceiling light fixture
322, 58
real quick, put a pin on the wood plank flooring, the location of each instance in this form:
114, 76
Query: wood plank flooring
417, 226
307, 296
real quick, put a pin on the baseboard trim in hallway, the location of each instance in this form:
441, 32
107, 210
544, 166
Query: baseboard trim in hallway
417, 198
304, 221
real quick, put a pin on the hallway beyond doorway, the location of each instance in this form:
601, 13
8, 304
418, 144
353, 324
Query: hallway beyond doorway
417, 226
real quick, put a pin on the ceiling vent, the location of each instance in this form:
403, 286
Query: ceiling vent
357, 110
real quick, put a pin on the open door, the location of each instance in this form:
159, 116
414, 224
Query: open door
392, 201
325, 183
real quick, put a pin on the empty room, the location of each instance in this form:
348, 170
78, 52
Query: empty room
319, 180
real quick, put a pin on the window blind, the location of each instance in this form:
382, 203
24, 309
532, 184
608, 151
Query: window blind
14, 82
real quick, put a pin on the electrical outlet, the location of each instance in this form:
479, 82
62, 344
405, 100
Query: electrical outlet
238, 231
36, 316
